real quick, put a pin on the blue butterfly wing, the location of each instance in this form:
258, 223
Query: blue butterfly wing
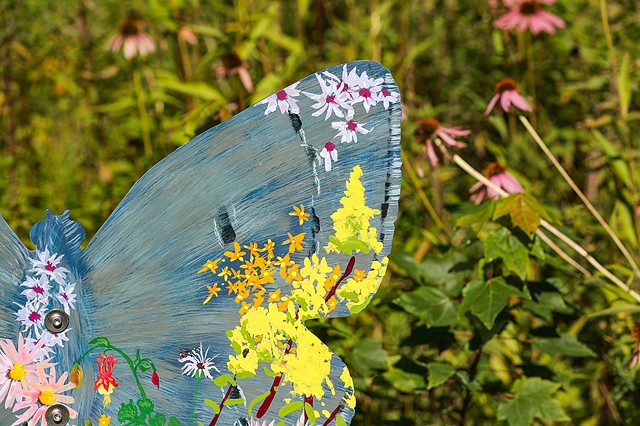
236, 183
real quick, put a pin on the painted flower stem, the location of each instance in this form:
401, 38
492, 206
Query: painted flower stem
195, 400
264, 407
333, 415
581, 195
555, 231
224, 399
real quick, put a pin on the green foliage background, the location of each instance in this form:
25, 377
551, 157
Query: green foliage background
477, 322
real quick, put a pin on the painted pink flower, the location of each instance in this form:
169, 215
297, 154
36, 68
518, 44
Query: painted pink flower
434, 136
17, 368
348, 130
528, 14
497, 175
132, 39
283, 100
332, 99
43, 393
508, 95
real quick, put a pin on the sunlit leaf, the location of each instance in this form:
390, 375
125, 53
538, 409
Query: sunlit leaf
532, 398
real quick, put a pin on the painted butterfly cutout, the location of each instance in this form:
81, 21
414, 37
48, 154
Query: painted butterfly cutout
188, 305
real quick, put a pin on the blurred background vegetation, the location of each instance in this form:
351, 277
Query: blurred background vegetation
80, 122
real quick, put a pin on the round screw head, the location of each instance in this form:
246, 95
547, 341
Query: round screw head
56, 321
57, 415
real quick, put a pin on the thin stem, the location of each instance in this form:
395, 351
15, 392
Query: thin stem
224, 399
143, 394
142, 111
421, 194
610, 50
548, 241
195, 400
575, 246
580, 194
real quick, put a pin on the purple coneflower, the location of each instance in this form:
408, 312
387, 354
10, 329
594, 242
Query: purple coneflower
508, 95
497, 175
132, 39
430, 129
528, 14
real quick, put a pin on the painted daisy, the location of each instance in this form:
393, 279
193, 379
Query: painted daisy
43, 393
348, 84
198, 364
67, 297
31, 315
284, 100
388, 97
37, 288
329, 153
331, 100
49, 264
348, 130
17, 366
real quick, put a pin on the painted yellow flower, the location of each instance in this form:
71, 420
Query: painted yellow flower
300, 213
213, 291
295, 242
104, 420
210, 265
268, 247
236, 254
225, 273
254, 250
358, 274
274, 296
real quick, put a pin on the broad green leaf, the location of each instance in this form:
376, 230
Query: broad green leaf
431, 305
486, 299
434, 270
566, 344
546, 303
223, 380
439, 373
368, 355
533, 398
501, 244
404, 381
523, 210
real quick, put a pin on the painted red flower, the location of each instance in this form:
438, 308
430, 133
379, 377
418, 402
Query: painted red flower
105, 382
155, 379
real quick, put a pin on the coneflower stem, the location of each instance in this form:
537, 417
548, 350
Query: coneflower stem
580, 194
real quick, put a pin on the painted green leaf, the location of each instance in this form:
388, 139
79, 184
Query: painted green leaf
439, 373
214, 405
566, 344
533, 398
431, 305
486, 299
501, 244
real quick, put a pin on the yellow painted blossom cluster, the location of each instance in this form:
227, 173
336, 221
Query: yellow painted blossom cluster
359, 289
353, 233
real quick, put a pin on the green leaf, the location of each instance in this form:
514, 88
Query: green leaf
100, 341
196, 89
403, 380
486, 299
624, 86
620, 166
533, 398
223, 380
431, 305
566, 344
368, 355
501, 244
146, 407
290, 408
478, 216
173, 421
523, 209
214, 405
157, 420
625, 308
439, 373
127, 412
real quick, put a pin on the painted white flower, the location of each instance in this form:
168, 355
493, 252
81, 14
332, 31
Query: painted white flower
49, 265
67, 297
37, 288
52, 339
284, 99
198, 364
331, 100
256, 422
369, 90
387, 97
31, 315
329, 153
349, 83
348, 130
39, 349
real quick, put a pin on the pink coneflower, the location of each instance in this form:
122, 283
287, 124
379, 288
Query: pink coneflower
43, 393
430, 129
17, 368
507, 94
528, 14
233, 64
132, 39
498, 175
